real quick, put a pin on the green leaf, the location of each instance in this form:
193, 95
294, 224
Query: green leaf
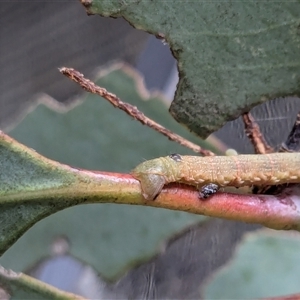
26, 176
33, 187
20, 286
232, 55
266, 264
95, 135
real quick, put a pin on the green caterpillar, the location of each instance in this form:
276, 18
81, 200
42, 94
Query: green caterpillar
211, 172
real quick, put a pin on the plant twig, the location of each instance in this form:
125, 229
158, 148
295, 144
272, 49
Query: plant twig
131, 110
280, 212
255, 136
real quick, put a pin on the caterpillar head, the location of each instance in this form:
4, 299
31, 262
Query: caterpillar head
151, 175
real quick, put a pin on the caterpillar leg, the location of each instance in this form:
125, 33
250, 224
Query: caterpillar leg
208, 190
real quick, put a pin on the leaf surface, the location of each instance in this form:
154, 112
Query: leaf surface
231, 55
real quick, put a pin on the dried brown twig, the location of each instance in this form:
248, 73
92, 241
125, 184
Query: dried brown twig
131, 110
255, 136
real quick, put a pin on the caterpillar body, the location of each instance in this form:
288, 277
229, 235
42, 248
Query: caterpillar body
237, 171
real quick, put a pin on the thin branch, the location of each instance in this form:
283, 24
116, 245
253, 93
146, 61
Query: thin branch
279, 212
254, 134
131, 110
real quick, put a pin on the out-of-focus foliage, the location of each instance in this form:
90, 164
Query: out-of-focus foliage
266, 264
20, 286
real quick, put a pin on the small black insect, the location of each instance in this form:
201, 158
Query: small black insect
175, 157
208, 190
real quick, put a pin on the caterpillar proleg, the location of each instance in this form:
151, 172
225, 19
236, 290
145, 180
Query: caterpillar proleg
237, 171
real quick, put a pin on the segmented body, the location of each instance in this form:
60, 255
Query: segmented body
240, 170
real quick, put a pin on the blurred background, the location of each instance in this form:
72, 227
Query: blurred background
36, 38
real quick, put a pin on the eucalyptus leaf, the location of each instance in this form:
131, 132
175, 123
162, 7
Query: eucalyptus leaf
231, 55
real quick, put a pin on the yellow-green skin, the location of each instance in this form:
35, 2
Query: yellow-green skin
237, 171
